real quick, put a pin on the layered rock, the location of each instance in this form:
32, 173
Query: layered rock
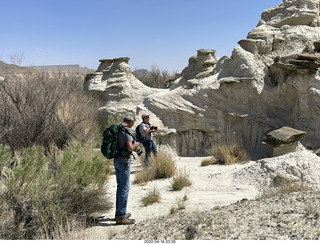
292, 12
201, 65
284, 140
271, 80
121, 91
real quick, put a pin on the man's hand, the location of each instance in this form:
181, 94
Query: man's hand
132, 145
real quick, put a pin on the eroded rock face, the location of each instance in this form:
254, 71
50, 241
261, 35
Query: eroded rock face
270, 80
122, 91
200, 66
292, 12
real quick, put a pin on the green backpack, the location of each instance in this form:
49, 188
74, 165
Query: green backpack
109, 147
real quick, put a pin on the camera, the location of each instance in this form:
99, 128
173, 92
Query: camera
139, 151
154, 128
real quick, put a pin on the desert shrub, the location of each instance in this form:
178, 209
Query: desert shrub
152, 197
229, 154
42, 200
39, 108
180, 180
160, 167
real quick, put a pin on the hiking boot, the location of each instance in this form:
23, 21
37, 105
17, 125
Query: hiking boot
127, 216
124, 221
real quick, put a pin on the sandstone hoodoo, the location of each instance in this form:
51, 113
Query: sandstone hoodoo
271, 80
284, 140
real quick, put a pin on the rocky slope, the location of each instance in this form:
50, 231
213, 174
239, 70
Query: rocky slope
282, 216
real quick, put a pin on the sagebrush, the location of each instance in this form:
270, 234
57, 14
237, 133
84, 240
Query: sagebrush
43, 195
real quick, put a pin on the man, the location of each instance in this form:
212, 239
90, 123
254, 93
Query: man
122, 169
146, 130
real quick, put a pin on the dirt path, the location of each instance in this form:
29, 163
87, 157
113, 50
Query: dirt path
212, 186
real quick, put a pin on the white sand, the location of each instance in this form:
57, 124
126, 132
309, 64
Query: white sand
211, 186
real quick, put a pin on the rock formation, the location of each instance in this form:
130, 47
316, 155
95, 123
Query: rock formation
270, 80
284, 140
200, 66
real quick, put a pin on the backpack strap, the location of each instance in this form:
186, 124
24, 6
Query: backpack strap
126, 131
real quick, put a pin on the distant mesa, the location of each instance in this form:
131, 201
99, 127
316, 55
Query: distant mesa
47, 68
61, 68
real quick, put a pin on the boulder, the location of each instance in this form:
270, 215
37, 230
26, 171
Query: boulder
284, 140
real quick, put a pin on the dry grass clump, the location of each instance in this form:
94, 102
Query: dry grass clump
209, 161
227, 154
160, 167
151, 198
180, 180
283, 187
8, 227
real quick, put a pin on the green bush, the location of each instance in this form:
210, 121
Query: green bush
44, 196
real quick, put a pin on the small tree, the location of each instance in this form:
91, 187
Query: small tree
17, 58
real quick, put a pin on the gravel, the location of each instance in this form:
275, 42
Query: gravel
281, 216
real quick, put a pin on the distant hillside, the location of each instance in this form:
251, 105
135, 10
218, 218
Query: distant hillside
4, 66
61, 68
47, 68
140, 72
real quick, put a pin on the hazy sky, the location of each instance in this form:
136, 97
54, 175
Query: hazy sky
150, 32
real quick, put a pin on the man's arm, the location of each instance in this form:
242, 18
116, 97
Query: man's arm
147, 129
132, 145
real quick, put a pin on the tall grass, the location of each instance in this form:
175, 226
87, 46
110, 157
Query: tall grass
180, 180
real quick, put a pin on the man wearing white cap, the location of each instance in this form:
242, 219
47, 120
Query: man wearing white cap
146, 130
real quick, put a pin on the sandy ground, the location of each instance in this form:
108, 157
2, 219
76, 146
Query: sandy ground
212, 186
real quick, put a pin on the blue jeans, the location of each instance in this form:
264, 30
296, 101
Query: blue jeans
149, 146
122, 168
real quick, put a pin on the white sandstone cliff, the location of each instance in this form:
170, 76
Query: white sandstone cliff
270, 80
